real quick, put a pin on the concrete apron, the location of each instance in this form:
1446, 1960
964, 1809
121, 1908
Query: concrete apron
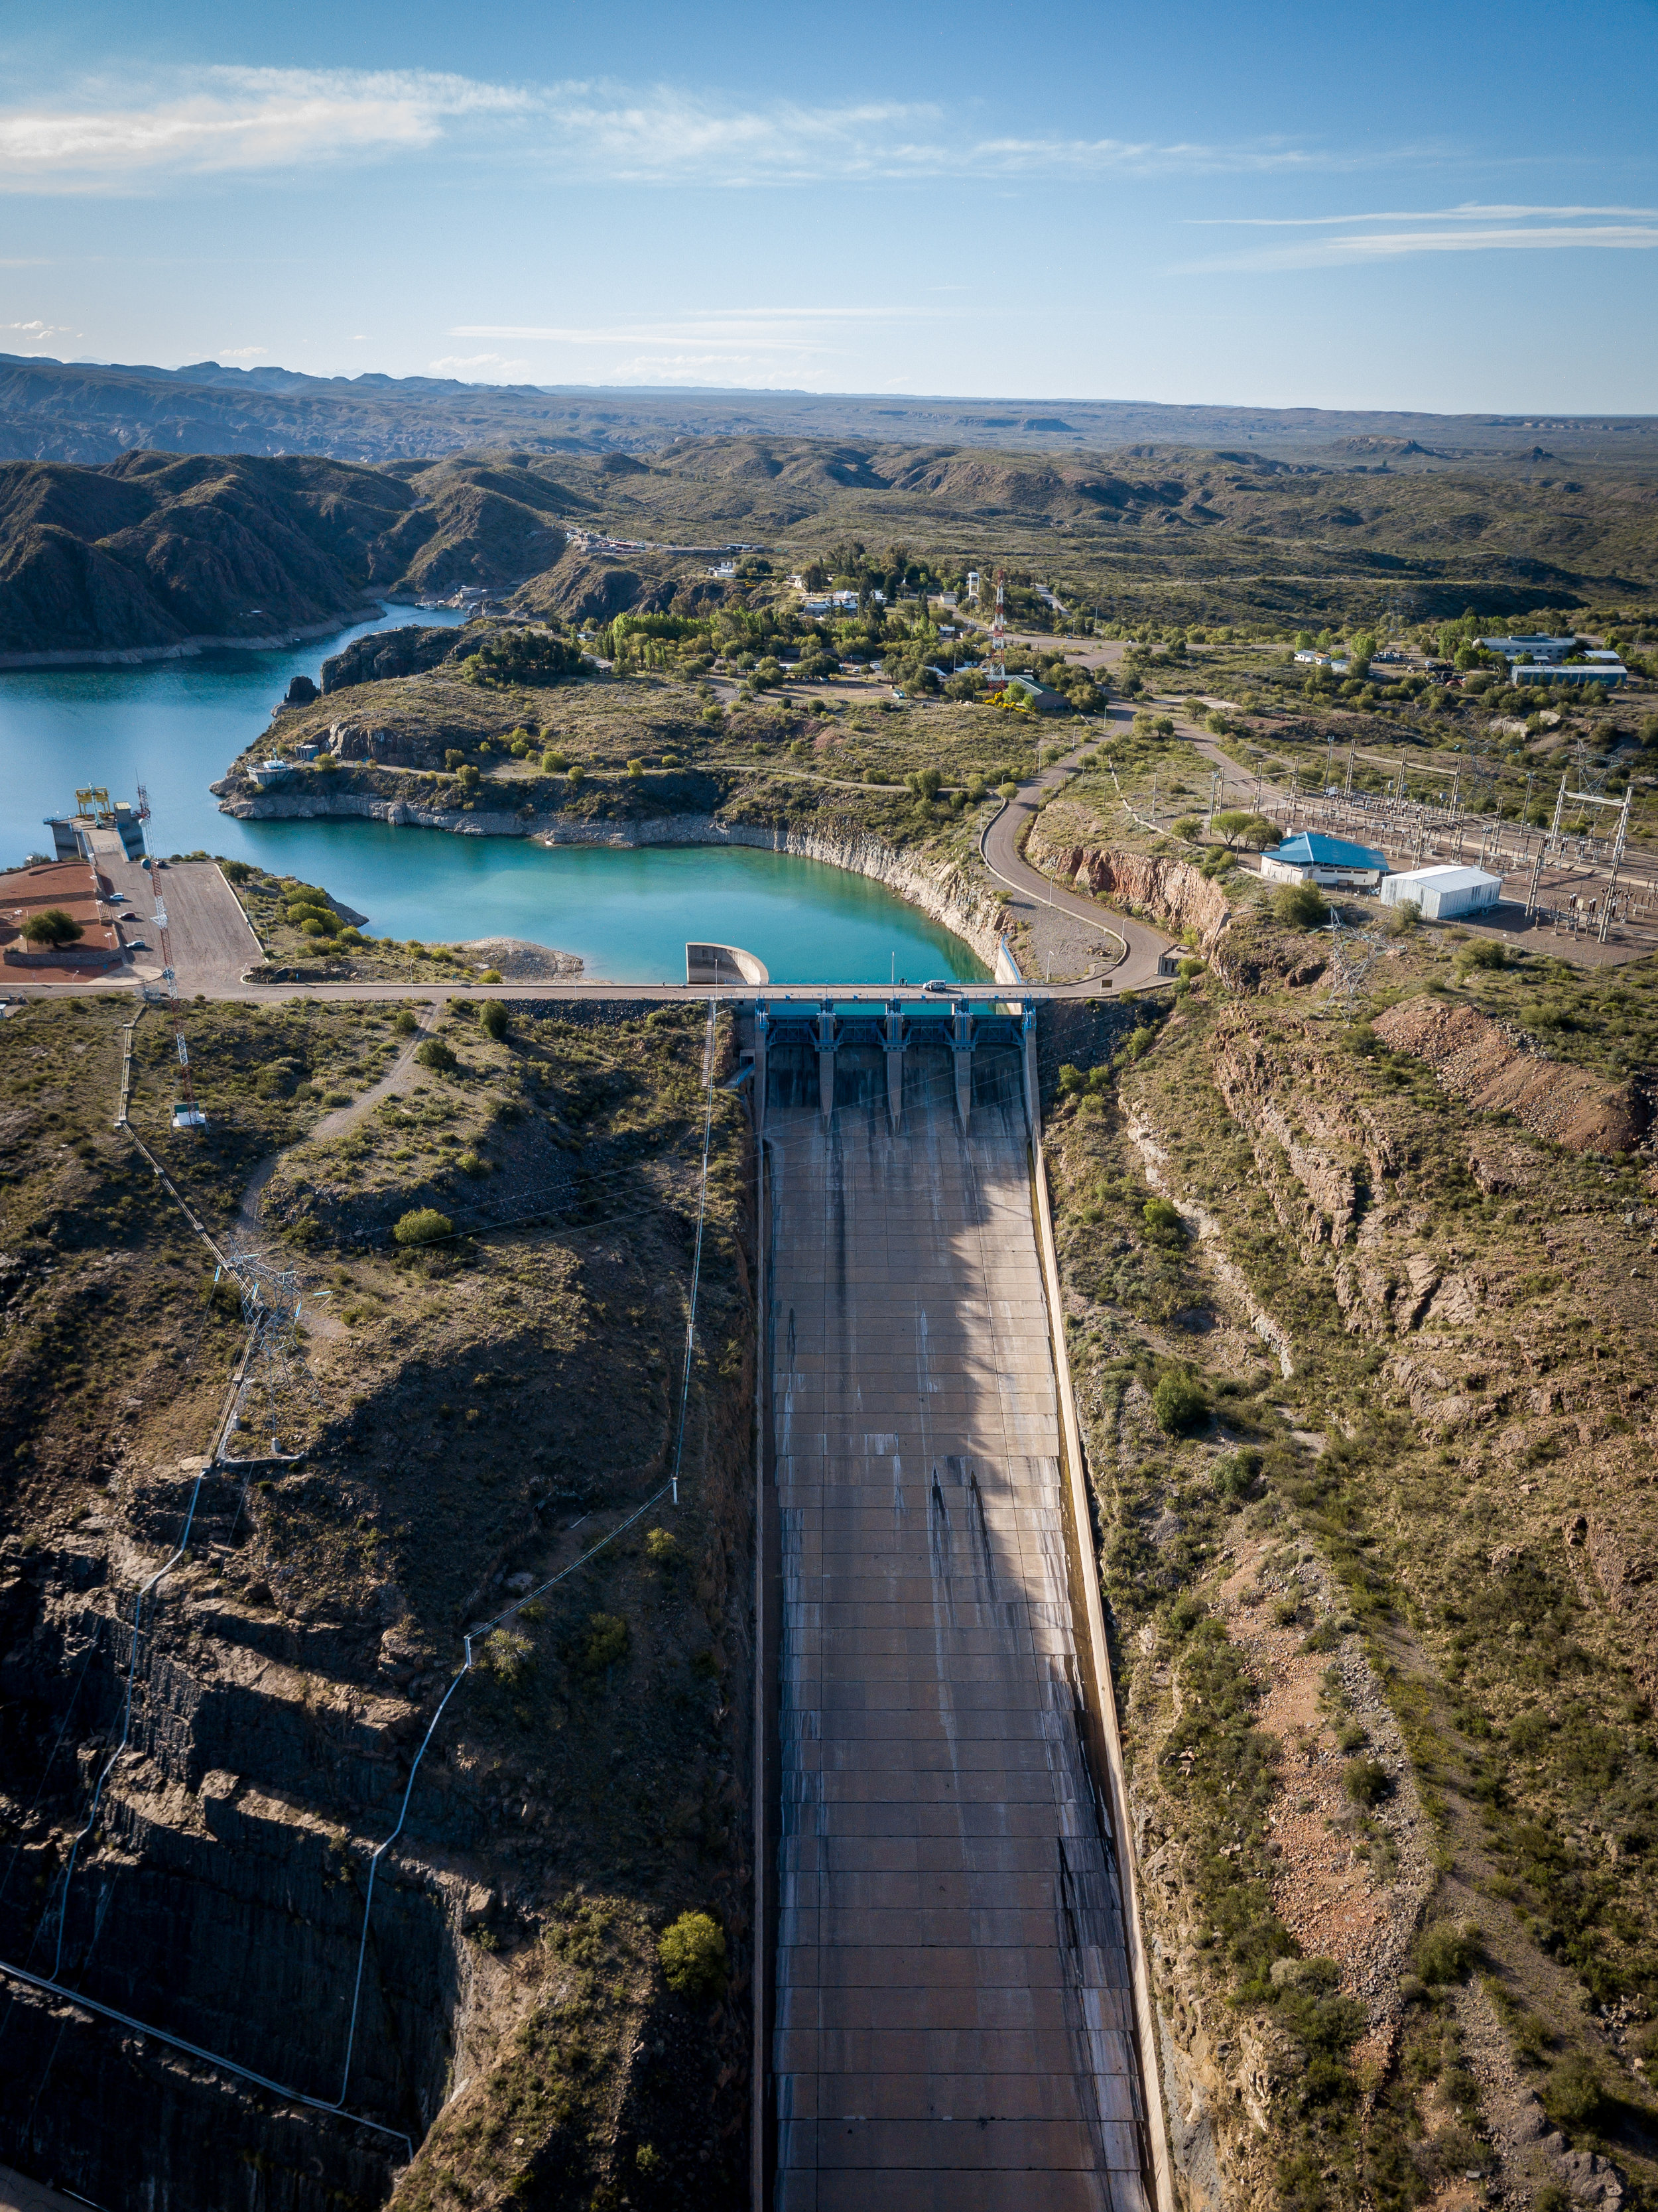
954, 2014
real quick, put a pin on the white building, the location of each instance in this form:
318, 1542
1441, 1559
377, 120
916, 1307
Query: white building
1443, 893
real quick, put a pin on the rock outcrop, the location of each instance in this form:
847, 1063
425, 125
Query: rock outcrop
386, 653
1174, 890
1319, 1155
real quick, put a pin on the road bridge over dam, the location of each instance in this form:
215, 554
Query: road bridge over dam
952, 2018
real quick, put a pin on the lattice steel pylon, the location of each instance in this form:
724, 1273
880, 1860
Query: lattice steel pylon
1588, 766
277, 1390
1477, 783
1353, 954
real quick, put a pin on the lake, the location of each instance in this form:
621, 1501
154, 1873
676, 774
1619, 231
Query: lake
176, 725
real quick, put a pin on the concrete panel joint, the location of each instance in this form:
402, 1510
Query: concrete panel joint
953, 2005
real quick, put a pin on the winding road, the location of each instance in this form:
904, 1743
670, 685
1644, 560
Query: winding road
998, 848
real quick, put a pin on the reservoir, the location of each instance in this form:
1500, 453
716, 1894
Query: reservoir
176, 726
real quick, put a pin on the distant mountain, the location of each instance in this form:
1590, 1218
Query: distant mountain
52, 410
156, 552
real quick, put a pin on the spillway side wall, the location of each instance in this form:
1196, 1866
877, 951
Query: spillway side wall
1105, 1742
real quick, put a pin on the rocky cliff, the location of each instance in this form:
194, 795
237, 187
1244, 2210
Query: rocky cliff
1500, 1072
448, 1430
1173, 890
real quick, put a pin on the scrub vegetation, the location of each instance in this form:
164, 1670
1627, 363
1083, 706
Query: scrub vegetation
463, 1419
1370, 1437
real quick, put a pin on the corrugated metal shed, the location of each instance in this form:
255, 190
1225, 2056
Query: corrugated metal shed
1442, 893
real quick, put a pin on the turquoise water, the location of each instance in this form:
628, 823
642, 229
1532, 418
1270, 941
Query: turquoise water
176, 726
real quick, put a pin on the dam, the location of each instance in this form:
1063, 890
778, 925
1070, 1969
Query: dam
952, 2016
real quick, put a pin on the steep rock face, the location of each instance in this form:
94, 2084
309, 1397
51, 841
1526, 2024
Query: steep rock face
1497, 1073
1173, 890
387, 653
1320, 1157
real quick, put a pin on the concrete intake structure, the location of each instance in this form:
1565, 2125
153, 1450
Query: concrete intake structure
954, 2003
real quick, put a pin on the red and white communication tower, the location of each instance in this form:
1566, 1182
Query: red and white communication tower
999, 629
186, 1113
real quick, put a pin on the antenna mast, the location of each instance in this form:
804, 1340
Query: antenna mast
999, 630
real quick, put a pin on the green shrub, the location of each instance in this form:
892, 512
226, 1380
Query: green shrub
1163, 1223
235, 872
1179, 1402
607, 1641
692, 1955
405, 1023
435, 1053
1573, 2095
1446, 1951
492, 1019
1483, 952
1235, 1476
507, 1656
663, 1549
423, 1225
1301, 906
1365, 1781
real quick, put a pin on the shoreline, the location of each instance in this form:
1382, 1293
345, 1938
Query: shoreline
189, 648
967, 912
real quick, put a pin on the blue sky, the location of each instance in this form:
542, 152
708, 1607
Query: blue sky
1423, 208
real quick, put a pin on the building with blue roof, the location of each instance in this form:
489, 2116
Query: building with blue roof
1313, 858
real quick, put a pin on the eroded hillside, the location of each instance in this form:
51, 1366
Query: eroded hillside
453, 1424
1368, 1374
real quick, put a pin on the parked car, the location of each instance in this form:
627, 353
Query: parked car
940, 988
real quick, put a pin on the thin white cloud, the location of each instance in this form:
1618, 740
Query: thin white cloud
775, 330
760, 345
38, 332
470, 367
239, 353
1459, 230
1467, 211
223, 121
227, 119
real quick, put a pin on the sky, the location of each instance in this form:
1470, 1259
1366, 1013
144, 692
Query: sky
1455, 211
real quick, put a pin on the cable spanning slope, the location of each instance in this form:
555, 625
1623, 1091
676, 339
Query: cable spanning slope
269, 1313
954, 2016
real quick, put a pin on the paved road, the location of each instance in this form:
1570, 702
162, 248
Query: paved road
999, 850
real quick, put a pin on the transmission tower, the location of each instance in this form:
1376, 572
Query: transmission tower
277, 1388
1353, 954
1588, 766
999, 629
